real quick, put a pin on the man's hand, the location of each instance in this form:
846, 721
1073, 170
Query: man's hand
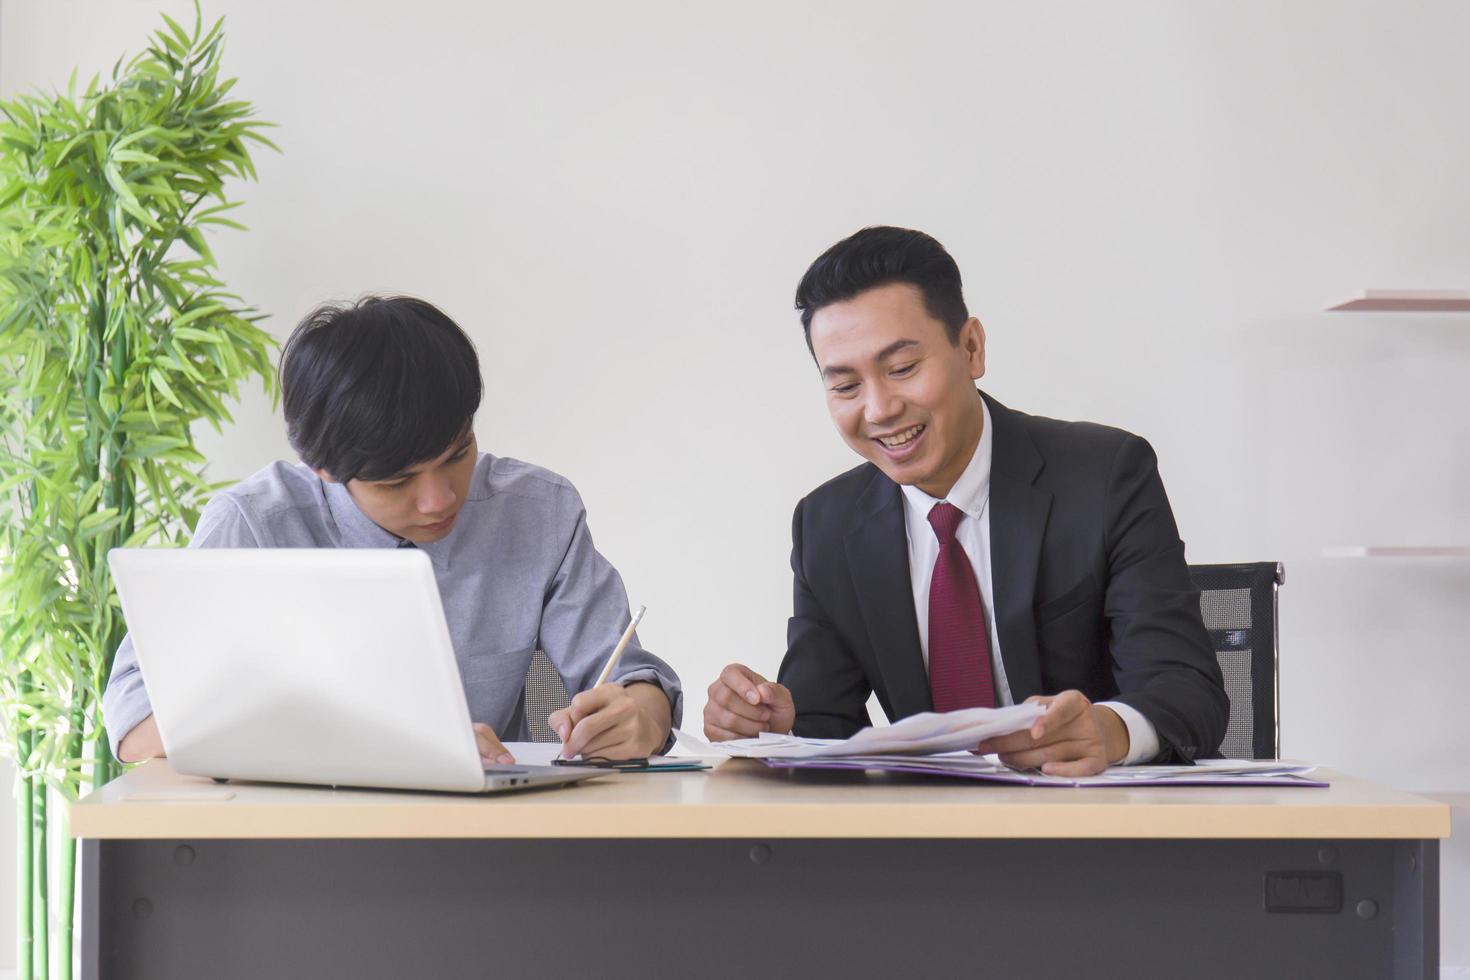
742, 704
614, 722
492, 751
1074, 738
143, 742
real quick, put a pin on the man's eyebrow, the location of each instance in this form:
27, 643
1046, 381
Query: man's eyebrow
838, 369
413, 471
894, 348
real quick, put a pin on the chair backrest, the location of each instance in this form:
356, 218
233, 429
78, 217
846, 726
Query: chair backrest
545, 693
1239, 607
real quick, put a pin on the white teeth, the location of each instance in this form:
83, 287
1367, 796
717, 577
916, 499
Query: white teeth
893, 442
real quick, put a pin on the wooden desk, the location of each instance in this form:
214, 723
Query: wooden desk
748, 872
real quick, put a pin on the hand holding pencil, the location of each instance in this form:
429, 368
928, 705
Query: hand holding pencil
614, 721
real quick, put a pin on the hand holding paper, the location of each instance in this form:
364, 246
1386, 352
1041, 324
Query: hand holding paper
1074, 738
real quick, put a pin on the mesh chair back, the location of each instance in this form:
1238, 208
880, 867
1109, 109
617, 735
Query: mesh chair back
545, 693
1239, 607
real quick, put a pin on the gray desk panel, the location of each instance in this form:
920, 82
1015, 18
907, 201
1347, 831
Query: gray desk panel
752, 908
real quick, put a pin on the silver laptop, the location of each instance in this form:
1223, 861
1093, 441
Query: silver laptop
304, 665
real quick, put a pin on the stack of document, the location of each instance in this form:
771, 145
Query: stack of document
938, 745
922, 734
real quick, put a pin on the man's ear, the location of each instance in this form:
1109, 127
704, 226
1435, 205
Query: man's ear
972, 342
325, 475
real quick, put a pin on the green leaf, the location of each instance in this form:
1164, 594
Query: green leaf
161, 385
178, 31
100, 522
133, 156
197, 336
197, 313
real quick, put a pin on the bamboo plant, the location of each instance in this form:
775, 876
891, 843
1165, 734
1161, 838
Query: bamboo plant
116, 336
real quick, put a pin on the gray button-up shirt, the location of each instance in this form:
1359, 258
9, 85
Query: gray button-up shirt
518, 571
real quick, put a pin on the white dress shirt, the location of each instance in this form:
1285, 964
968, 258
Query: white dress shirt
971, 494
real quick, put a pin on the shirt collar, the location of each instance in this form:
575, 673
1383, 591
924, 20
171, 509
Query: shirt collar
971, 492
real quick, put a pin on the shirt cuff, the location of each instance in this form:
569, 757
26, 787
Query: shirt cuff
650, 675
1143, 740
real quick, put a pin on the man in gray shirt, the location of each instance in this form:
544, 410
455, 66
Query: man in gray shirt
380, 400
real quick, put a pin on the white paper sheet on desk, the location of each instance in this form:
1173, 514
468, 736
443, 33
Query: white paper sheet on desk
534, 753
922, 734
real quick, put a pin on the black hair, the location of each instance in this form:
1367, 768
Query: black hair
377, 386
879, 256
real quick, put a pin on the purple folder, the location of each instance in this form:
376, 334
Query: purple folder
1284, 775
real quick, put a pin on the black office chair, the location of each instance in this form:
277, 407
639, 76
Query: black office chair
545, 693
1239, 606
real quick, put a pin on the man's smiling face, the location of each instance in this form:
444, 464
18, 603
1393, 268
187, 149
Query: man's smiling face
900, 392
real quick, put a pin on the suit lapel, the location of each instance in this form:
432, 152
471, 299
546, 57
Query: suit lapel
1018, 514
878, 559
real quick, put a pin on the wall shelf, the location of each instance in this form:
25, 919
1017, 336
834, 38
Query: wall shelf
1405, 301
1397, 551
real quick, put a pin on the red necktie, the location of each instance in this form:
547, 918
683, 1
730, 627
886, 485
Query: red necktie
959, 648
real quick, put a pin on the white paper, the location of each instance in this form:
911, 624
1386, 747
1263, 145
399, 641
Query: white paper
922, 734
533, 753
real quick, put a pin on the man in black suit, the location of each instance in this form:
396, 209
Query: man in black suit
980, 556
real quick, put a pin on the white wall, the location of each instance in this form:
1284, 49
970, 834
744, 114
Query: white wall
1151, 203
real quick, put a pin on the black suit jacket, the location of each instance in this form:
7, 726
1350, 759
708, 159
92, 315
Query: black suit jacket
1091, 589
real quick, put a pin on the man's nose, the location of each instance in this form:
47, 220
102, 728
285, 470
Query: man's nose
437, 497
881, 405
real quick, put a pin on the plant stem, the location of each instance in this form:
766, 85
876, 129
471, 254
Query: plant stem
66, 881
25, 872
66, 875
40, 948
